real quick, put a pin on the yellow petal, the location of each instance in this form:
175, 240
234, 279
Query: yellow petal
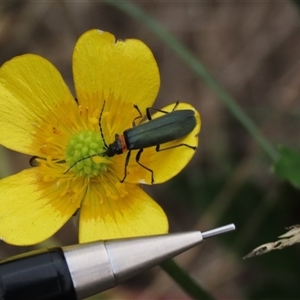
164, 164
104, 69
136, 214
31, 90
30, 210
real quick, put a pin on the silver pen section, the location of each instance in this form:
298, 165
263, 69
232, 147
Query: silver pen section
98, 266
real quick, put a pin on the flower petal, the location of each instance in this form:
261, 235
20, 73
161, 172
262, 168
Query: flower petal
164, 164
124, 70
136, 214
31, 89
30, 211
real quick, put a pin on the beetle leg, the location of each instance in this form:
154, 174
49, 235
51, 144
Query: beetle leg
137, 158
158, 149
138, 117
126, 164
175, 106
149, 115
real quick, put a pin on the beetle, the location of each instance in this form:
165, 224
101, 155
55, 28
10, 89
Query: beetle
155, 132
163, 129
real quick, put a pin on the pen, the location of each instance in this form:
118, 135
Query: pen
82, 270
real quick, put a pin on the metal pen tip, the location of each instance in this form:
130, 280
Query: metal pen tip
218, 230
101, 265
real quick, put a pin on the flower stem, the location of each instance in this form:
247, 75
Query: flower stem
195, 65
184, 280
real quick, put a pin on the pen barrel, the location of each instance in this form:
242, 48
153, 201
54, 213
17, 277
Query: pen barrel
42, 276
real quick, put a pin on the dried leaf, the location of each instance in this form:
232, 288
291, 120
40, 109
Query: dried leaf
287, 239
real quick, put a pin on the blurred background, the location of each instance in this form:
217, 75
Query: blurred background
253, 50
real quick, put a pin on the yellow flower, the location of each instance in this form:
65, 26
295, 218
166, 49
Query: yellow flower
39, 117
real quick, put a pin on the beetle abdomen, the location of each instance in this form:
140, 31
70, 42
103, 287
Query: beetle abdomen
163, 129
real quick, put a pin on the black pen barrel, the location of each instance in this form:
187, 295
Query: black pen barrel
42, 276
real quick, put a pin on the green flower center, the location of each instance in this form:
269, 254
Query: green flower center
81, 152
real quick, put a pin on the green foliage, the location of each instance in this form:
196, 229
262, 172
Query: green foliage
288, 165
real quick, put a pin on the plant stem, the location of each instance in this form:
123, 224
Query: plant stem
184, 280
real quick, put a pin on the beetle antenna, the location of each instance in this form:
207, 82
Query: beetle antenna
100, 126
97, 154
81, 159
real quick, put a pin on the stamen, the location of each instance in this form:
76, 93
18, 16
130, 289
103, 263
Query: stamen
80, 152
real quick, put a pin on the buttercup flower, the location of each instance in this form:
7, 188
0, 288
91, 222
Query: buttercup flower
40, 117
